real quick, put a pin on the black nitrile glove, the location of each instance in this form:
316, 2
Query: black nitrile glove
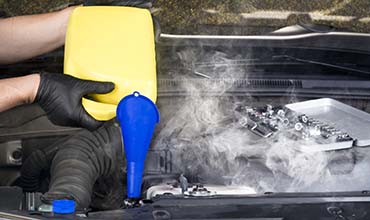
60, 96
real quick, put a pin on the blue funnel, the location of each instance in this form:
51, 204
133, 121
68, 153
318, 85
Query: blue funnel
137, 116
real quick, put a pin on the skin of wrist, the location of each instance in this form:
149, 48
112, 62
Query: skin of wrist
33, 88
18, 90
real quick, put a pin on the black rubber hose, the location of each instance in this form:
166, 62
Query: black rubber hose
83, 159
33, 167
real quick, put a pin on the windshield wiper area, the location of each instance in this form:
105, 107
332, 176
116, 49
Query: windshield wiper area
330, 65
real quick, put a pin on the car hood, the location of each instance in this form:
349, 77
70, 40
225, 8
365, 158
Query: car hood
228, 17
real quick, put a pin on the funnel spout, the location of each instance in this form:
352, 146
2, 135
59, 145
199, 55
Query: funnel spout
135, 173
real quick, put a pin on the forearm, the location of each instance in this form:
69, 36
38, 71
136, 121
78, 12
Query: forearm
24, 37
18, 90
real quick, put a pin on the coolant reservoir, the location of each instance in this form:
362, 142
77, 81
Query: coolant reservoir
116, 44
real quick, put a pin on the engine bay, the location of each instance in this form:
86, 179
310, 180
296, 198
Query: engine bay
302, 155
232, 127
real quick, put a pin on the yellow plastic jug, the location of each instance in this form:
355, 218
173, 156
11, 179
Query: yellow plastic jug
115, 44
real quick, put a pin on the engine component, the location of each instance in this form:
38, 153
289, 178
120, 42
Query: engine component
33, 167
133, 203
75, 164
11, 153
198, 190
267, 121
298, 126
319, 134
336, 119
183, 183
81, 161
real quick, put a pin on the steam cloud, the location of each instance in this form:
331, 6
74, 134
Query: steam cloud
209, 144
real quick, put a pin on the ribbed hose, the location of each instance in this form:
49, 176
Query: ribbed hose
81, 161
38, 162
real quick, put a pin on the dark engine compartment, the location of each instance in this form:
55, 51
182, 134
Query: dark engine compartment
201, 84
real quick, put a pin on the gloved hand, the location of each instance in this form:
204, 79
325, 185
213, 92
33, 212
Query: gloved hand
60, 96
